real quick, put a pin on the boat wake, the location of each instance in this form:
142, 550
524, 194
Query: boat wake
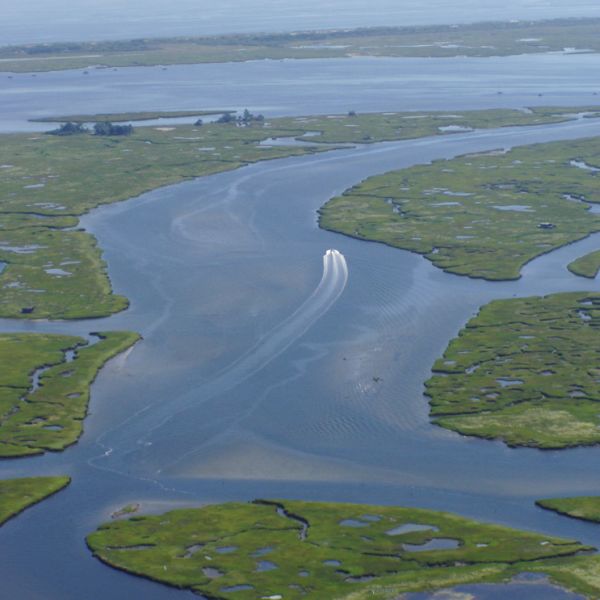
164, 432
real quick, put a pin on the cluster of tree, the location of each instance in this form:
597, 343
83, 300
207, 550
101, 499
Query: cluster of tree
244, 119
107, 128
101, 128
69, 129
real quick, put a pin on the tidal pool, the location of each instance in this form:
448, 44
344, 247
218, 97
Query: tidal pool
524, 587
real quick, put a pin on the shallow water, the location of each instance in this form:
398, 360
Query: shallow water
525, 587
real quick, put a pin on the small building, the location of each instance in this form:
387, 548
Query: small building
546, 225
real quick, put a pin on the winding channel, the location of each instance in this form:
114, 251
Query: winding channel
267, 371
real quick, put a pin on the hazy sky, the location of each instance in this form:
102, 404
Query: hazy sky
25, 21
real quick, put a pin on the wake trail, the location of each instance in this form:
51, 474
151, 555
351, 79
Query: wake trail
137, 432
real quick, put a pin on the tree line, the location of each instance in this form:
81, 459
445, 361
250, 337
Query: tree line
100, 128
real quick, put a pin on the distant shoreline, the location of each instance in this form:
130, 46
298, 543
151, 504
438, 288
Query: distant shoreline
482, 39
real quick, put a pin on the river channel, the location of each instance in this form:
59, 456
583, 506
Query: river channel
273, 367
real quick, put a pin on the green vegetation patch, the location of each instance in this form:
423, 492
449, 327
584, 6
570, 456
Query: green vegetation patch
524, 371
479, 39
483, 215
586, 266
586, 508
18, 494
55, 271
391, 126
52, 273
581, 574
293, 549
45, 387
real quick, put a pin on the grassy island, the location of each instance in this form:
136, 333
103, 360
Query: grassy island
582, 573
53, 270
292, 549
475, 40
524, 371
480, 215
44, 387
586, 266
586, 508
18, 494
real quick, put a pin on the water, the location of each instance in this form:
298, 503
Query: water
435, 544
525, 587
300, 87
270, 345
40, 21
232, 259
410, 528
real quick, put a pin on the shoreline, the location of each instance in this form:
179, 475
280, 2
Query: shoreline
484, 38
